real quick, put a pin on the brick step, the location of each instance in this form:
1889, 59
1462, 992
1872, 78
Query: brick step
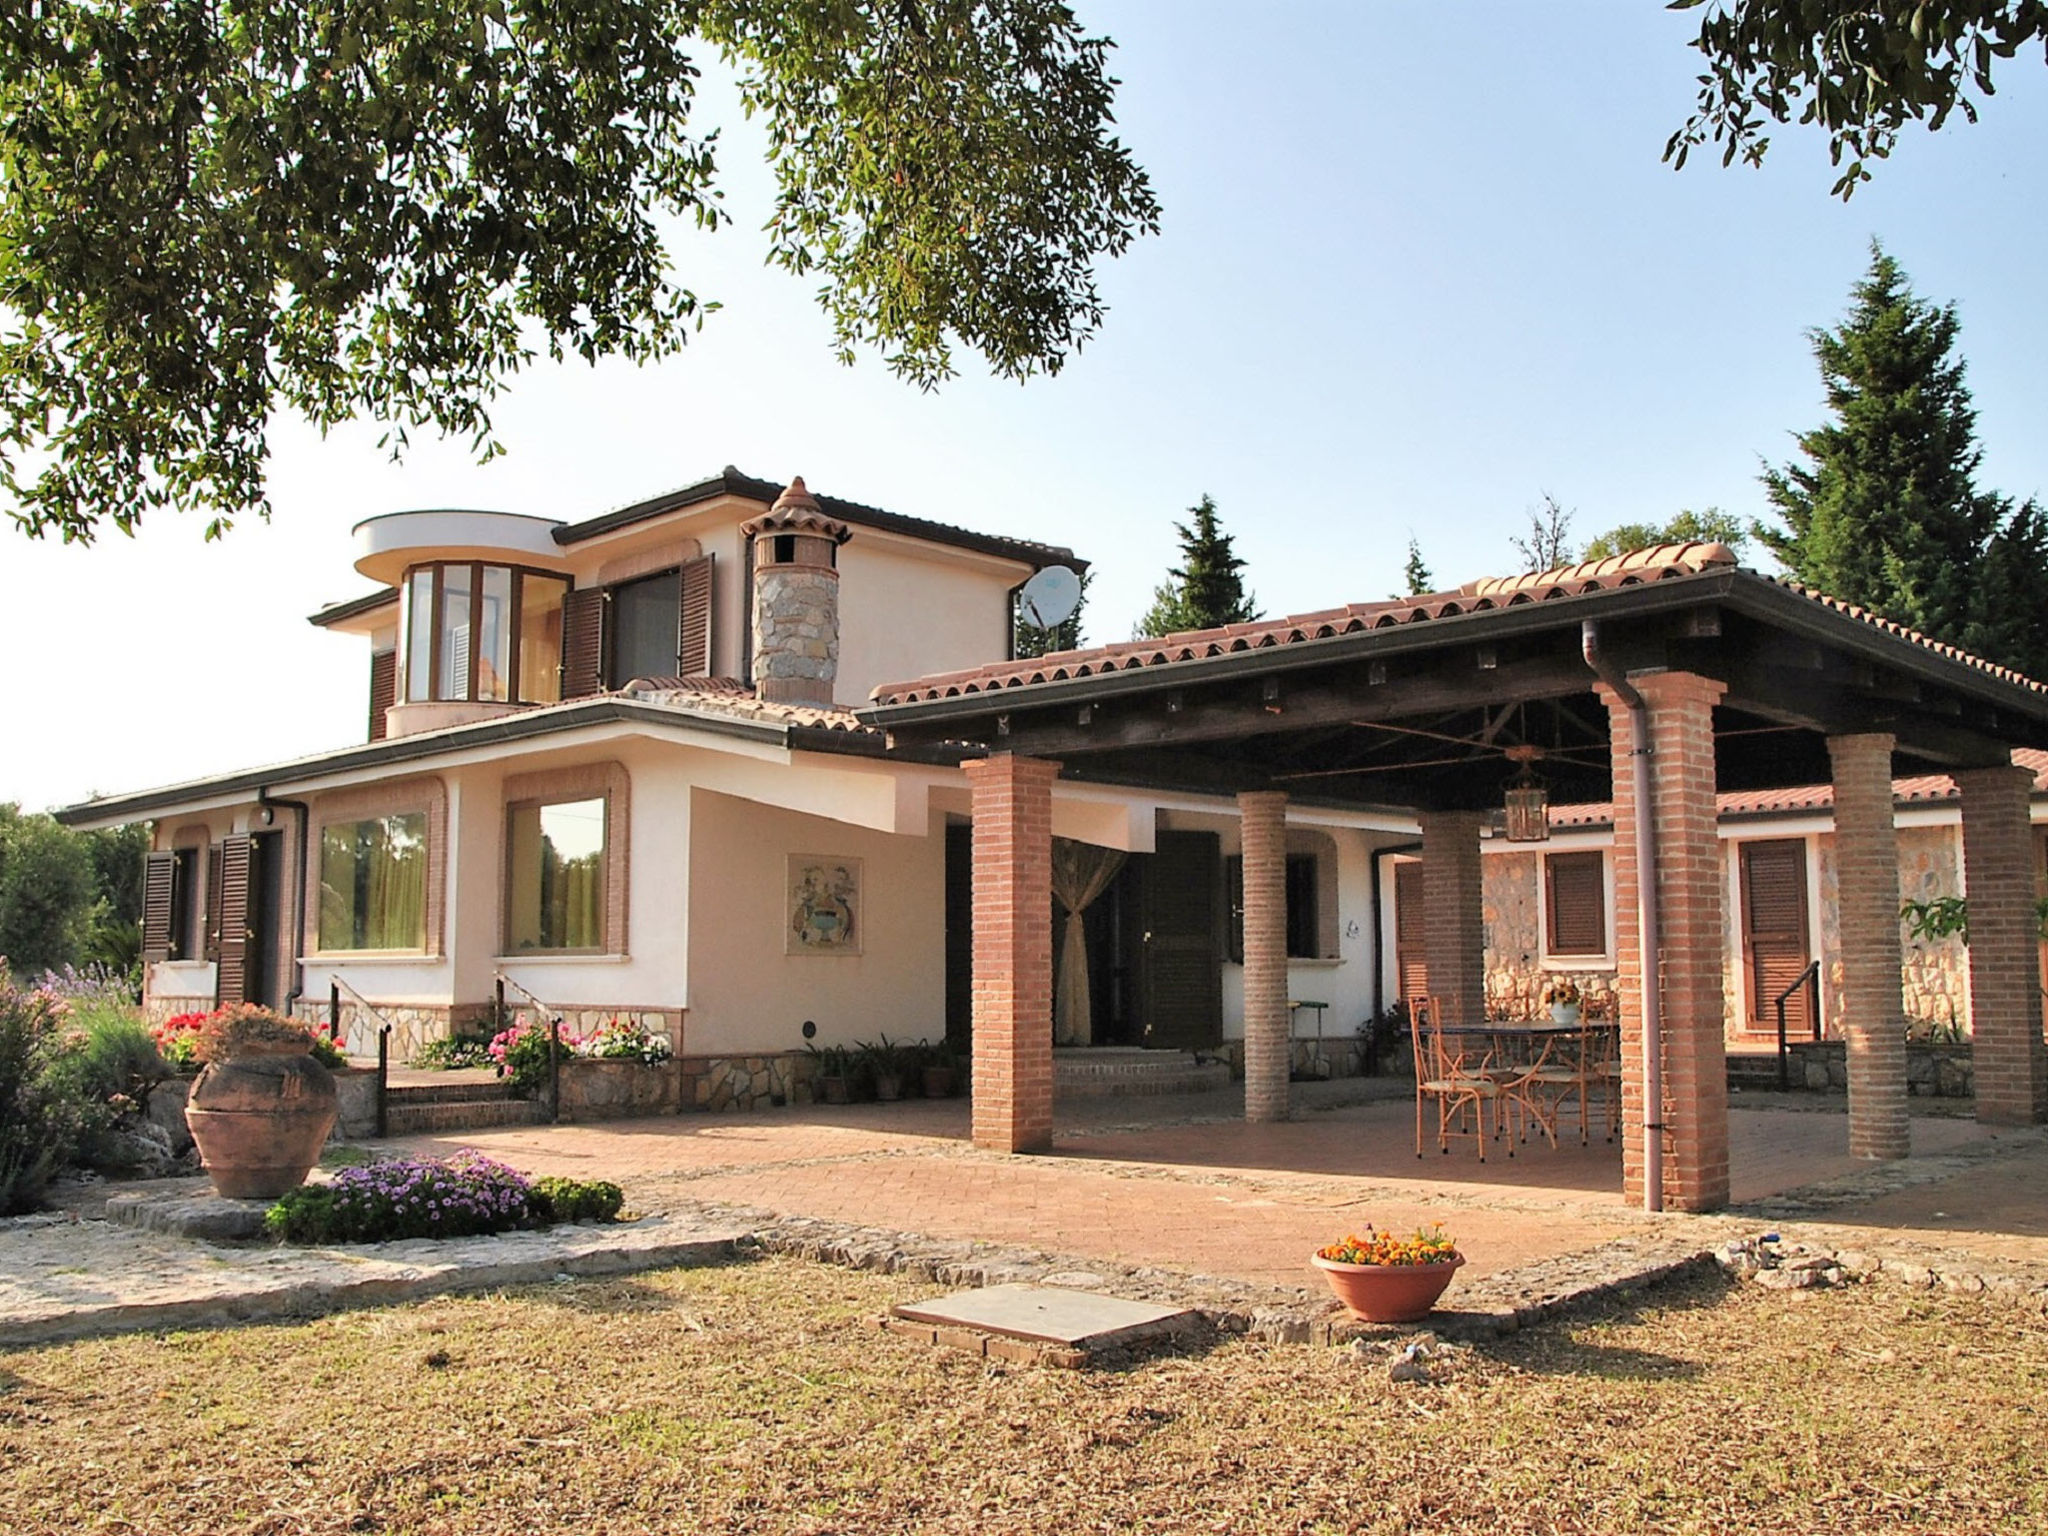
1109, 1072
450, 1093
417, 1119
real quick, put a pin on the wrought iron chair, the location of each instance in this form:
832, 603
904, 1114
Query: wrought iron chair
1447, 1074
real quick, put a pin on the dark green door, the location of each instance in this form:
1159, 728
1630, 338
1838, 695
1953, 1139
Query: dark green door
1180, 942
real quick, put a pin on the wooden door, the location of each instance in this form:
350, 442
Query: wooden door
1411, 934
959, 920
1775, 946
1180, 964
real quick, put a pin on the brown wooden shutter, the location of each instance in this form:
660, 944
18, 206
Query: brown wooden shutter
232, 980
1576, 903
1774, 931
1180, 966
383, 689
1411, 933
159, 894
693, 647
583, 642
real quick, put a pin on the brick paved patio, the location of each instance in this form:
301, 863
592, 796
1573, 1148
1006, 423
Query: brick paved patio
1182, 1183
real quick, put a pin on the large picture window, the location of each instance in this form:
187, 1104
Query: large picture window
373, 883
488, 633
556, 889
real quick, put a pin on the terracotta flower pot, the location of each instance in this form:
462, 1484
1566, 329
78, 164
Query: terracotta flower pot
1387, 1293
260, 1120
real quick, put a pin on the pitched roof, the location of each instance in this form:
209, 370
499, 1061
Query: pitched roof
1659, 564
1920, 789
734, 699
369, 602
731, 482
1665, 563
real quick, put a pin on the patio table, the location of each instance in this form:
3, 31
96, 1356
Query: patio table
1520, 1058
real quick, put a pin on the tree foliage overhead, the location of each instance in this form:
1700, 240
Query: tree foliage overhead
1712, 526
1885, 511
1206, 590
386, 208
1859, 69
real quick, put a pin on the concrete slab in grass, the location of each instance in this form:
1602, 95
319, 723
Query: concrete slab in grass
1049, 1316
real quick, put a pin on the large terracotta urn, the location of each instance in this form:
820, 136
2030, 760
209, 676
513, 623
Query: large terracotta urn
260, 1119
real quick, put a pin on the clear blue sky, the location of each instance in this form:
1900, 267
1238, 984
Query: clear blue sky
1421, 264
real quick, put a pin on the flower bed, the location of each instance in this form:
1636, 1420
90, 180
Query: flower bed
467, 1195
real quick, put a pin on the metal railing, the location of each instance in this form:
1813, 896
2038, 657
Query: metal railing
554, 1023
335, 987
1808, 977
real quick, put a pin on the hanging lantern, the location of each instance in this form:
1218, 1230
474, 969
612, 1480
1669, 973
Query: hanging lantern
1527, 800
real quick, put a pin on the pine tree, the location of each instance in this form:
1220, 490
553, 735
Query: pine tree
1414, 572
1885, 511
1206, 589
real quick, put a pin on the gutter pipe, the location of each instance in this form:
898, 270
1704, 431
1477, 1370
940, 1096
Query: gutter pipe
303, 815
1646, 912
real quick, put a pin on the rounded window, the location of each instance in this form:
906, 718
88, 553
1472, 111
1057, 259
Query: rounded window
483, 633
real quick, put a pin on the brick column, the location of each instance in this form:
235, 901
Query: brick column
2005, 1000
1454, 950
1695, 1064
1262, 820
1873, 1012
1012, 952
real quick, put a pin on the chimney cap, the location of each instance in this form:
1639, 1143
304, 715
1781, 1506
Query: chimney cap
796, 510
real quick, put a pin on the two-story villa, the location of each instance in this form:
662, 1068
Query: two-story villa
616, 763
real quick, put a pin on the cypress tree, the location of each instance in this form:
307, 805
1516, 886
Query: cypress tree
1207, 588
1885, 511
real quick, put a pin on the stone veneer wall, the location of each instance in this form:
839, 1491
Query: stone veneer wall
412, 1025
156, 1009
1936, 976
796, 633
720, 1083
1515, 973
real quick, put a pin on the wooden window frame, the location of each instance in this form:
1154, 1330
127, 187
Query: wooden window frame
362, 804
607, 781
514, 617
1302, 843
1546, 907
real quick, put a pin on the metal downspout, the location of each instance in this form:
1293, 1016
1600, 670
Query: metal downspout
1646, 913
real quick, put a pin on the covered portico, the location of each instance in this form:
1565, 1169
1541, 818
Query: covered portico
1653, 680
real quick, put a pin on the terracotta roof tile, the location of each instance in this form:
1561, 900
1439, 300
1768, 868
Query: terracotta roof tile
730, 697
1663, 563
1922, 789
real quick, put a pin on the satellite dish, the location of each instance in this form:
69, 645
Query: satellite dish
1049, 598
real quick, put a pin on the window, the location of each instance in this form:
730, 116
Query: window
185, 908
1575, 903
556, 889
646, 628
373, 883
490, 633
1311, 898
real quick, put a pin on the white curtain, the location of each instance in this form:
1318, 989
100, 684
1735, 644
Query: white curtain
1080, 873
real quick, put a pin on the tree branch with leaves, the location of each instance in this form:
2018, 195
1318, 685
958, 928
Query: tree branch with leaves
213, 211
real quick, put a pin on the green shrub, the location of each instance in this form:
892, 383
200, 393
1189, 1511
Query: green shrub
42, 1120
452, 1054
559, 1199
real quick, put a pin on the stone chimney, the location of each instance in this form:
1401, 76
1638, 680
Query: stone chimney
796, 598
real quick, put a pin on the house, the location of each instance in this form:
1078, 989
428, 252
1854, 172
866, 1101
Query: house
654, 764
1549, 909
616, 765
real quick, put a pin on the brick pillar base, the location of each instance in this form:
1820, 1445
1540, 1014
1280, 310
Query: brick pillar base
1873, 1012
1012, 952
1695, 1108
2005, 1000
1262, 819
1454, 908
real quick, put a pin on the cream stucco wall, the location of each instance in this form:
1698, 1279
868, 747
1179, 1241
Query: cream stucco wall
907, 609
747, 995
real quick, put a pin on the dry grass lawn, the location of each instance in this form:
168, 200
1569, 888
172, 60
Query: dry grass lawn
753, 1398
